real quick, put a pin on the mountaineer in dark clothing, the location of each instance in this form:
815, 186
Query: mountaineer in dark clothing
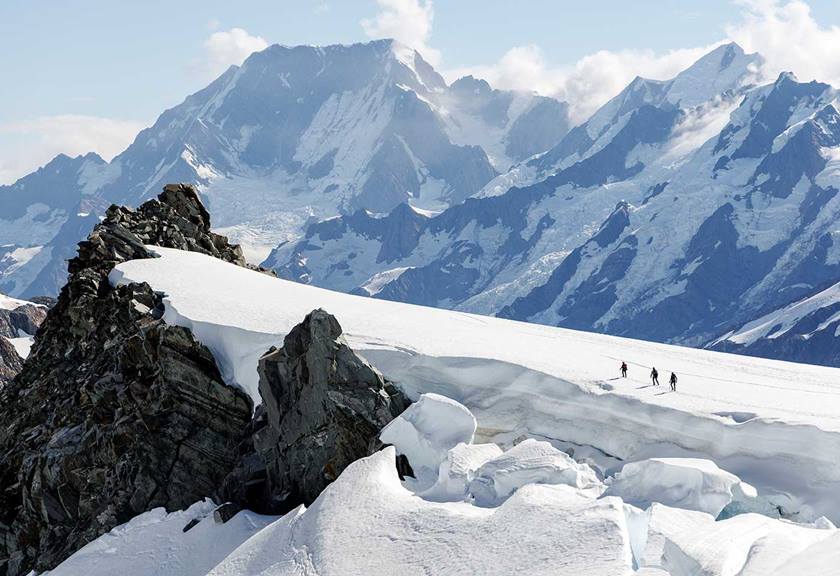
654, 376
673, 382
624, 369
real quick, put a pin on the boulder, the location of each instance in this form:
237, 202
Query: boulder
115, 412
324, 407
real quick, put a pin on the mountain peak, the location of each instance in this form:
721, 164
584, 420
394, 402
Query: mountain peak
726, 69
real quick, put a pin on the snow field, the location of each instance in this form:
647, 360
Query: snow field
776, 425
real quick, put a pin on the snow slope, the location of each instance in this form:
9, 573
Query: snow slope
368, 522
774, 424
155, 543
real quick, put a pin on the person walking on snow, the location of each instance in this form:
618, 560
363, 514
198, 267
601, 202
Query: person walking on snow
673, 382
654, 376
624, 369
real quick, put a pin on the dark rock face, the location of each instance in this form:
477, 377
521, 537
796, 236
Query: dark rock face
323, 408
10, 362
115, 412
27, 318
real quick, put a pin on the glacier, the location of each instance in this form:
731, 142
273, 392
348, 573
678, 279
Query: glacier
776, 425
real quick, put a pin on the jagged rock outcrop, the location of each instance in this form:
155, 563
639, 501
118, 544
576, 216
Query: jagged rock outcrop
10, 362
323, 408
115, 412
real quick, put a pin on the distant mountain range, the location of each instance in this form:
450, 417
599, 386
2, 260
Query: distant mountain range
682, 211
292, 135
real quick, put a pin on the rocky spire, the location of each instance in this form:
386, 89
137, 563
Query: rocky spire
115, 412
323, 408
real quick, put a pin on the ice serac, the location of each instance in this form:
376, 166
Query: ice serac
428, 429
115, 412
689, 483
529, 462
323, 407
367, 522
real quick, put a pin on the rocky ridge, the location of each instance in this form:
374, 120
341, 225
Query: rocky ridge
116, 412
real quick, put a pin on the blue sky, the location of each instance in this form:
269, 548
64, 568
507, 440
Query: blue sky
81, 75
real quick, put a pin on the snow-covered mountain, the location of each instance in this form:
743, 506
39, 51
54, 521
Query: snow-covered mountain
42, 217
294, 134
681, 210
683, 483
807, 330
387, 437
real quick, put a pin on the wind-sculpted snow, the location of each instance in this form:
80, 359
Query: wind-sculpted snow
686, 483
529, 462
428, 429
775, 425
368, 522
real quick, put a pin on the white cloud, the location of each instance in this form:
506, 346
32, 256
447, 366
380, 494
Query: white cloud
790, 39
26, 145
224, 49
784, 32
585, 85
408, 21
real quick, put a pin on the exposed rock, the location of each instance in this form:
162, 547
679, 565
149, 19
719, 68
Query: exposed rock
225, 512
26, 318
324, 407
47, 301
115, 412
10, 362
404, 469
176, 220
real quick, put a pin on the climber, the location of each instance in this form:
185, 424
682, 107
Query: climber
654, 376
673, 382
624, 369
